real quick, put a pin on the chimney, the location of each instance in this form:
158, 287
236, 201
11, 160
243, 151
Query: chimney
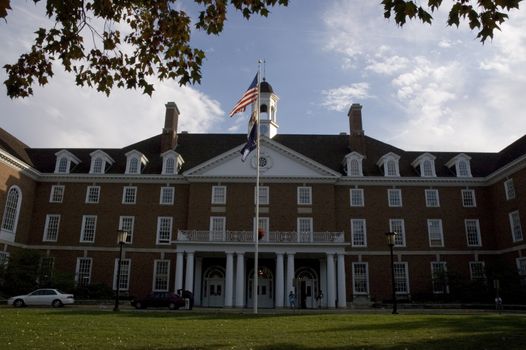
356, 134
169, 135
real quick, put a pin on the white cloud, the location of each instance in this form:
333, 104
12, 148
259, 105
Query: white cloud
342, 97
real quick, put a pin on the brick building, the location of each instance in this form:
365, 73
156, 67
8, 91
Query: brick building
326, 202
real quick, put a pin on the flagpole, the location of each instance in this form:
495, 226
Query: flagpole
256, 226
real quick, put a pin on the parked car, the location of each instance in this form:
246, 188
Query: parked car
52, 297
159, 299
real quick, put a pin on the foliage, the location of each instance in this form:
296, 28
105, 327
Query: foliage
21, 273
155, 42
486, 16
93, 291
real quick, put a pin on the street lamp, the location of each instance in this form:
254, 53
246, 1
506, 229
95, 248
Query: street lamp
121, 239
391, 236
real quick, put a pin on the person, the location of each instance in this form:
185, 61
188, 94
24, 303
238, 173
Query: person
498, 303
292, 300
319, 298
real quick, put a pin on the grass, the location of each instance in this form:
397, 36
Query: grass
70, 328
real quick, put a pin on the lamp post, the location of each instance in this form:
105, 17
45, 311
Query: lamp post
121, 239
391, 236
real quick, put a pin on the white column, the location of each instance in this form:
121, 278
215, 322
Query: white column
342, 292
240, 280
229, 279
323, 281
331, 282
189, 283
179, 263
197, 280
290, 273
280, 290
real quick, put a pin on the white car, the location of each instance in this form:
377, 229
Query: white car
52, 297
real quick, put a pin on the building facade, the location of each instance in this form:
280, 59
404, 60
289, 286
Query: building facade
326, 202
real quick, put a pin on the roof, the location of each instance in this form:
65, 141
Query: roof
14, 146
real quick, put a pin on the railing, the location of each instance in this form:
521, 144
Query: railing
271, 237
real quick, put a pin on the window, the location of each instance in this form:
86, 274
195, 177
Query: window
164, 230
354, 164
46, 269
126, 223
509, 188
398, 226
432, 199
263, 195
89, 226
515, 224
63, 162
57, 194
434, 229
218, 194
439, 277
217, 228
83, 271
62, 165
425, 165
129, 195
476, 270
401, 278
473, 232
360, 278
169, 166
391, 168
357, 197
427, 168
93, 194
4, 259
358, 233
161, 275
51, 228
133, 167
461, 163
468, 199
124, 280
521, 270
12, 209
394, 197
264, 224
463, 168
167, 195
304, 225
304, 195
98, 166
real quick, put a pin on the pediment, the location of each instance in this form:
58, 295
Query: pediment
277, 161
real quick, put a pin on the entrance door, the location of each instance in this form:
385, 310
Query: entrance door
306, 288
265, 289
215, 292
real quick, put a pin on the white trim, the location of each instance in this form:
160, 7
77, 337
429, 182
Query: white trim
124, 189
473, 263
509, 189
441, 232
361, 196
82, 230
45, 237
429, 190
390, 198
420, 161
400, 233
406, 273
477, 228
88, 188
473, 196
77, 269
52, 193
129, 237
172, 195
364, 228
308, 192
154, 280
366, 264
444, 270
126, 261
264, 198
170, 221
513, 225
218, 198
17, 210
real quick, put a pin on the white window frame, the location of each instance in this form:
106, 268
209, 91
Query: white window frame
515, 226
363, 278
125, 194
12, 210
160, 225
509, 189
170, 195
429, 199
356, 193
85, 218
400, 230
357, 159
391, 197
49, 235
217, 233
127, 228
472, 264
125, 274
468, 225
435, 281
57, 194
169, 166
164, 277
218, 194
304, 195
98, 166
264, 223
264, 197
83, 278
304, 225
62, 165
430, 233
89, 194
398, 277
356, 240
465, 198
521, 266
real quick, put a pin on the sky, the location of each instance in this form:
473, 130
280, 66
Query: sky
422, 87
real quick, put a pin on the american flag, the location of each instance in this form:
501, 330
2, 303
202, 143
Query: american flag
248, 97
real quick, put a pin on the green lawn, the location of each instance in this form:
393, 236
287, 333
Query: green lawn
72, 328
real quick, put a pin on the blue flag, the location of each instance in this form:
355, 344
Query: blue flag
251, 137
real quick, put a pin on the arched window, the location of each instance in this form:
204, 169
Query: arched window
427, 168
170, 166
462, 168
391, 168
134, 166
97, 166
63, 165
12, 209
354, 168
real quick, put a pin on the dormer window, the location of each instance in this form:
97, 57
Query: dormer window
462, 165
353, 164
425, 164
135, 160
389, 163
64, 160
172, 162
99, 162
